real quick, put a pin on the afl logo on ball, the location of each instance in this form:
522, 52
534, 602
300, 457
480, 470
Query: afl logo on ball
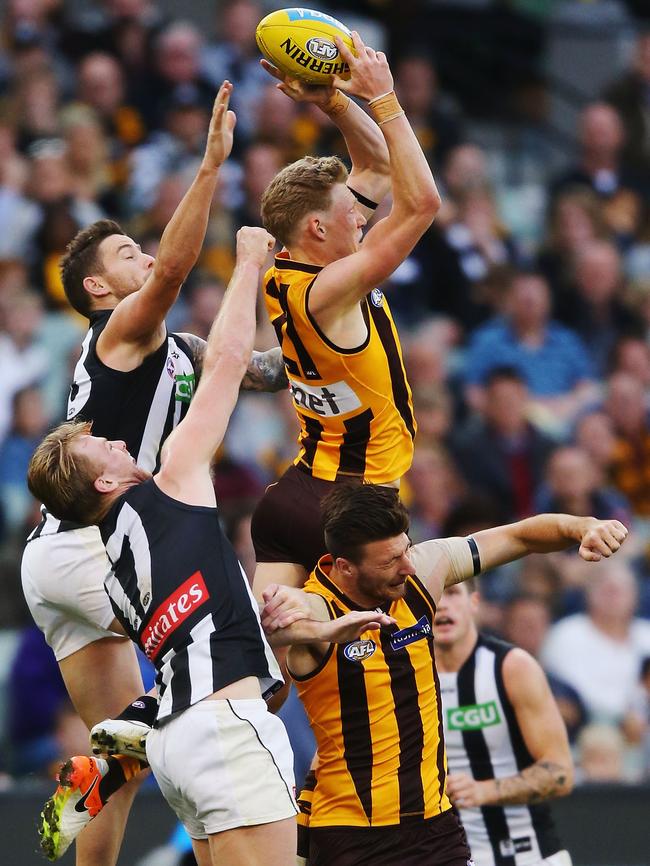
377, 297
359, 650
322, 49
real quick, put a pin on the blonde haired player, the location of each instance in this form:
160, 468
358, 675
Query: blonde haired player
339, 342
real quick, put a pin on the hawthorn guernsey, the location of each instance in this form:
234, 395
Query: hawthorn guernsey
301, 42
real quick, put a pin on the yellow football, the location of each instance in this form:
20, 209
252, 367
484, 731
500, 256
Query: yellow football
301, 43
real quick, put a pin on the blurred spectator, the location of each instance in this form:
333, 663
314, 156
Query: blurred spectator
632, 355
177, 73
596, 313
100, 86
550, 357
87, 152
29, 427
574, 485
630, 95
36, 694
175, 149
16, 212
260, 164
601, 167
58, 213
203, 305
435, 487
499, 452
434, 116
599, 652
526, 621
601, 755
575, 219
465, 251
433, 408
594, 433
234, 55
626, 405
37, 102
23, 360
639, 718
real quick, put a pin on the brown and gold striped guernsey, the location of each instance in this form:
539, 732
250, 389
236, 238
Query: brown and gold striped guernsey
374, 706
354, 405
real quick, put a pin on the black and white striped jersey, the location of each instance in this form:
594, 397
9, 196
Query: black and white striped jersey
141, 407
178, 590
483, 739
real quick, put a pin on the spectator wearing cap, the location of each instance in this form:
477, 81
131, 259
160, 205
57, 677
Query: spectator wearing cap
551, 359
499, 452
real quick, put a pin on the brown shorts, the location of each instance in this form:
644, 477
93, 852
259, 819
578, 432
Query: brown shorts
439, 841
286, 525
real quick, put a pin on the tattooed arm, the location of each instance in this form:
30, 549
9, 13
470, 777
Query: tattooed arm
543, 731
265, 371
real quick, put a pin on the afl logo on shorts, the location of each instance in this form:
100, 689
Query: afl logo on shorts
359, 650
377, 297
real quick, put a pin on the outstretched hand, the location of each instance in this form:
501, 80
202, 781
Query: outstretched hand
220, 133
370, 74
601, 539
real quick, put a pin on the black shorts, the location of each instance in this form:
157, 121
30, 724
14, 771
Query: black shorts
286, 525
438, 841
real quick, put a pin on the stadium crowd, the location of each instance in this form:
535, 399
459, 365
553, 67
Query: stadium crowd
526, 330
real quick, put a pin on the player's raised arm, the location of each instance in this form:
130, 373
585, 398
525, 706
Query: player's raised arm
139, 317
187, 454
415, 196
370, 175
446, 561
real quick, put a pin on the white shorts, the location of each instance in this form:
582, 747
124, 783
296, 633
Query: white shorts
223, 764
63, 582
560, 858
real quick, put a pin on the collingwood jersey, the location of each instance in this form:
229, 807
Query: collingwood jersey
484, 740
354, 405
374, 707
178, 590
141, 406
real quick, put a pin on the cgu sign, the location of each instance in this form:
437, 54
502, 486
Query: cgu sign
473, 717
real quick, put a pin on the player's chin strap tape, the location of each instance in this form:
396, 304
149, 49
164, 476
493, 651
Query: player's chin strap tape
366, 202
476, 556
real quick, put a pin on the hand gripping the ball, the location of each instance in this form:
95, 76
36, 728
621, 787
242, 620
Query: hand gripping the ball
370, 74
297, 90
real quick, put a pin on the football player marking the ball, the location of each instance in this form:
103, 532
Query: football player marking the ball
340, 345
221, 759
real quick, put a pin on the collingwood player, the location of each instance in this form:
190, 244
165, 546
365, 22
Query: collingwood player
382, 795
507, 747
339, 342
222, 760
134, 381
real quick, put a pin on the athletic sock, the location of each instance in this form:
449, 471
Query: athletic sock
144, 710
120, 770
